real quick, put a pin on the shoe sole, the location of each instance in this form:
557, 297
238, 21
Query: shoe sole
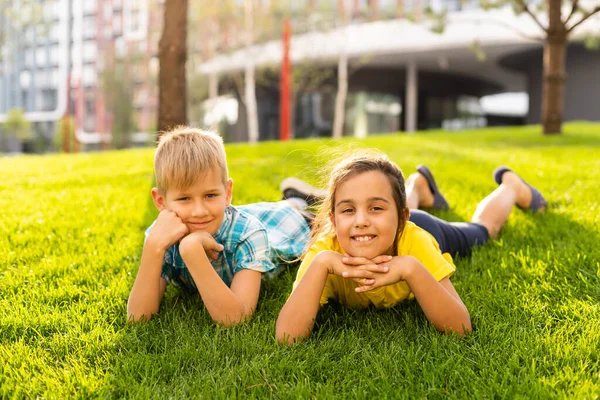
294, 187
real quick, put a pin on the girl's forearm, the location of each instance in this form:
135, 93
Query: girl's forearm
145, 296
297, 317
446, 312
222, 304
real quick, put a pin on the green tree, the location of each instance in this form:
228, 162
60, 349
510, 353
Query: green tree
17, 125
118, 91
555, 36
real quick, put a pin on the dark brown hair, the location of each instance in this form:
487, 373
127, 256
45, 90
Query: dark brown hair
353, 166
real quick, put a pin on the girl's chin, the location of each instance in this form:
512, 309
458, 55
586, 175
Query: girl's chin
369, 253
362, 253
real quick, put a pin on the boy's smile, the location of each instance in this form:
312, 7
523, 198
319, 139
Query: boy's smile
365, 217
202, 205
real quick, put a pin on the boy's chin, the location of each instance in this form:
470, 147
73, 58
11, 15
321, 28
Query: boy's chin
209, 230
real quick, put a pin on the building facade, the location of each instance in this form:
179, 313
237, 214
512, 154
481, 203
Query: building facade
406, 76
62, 60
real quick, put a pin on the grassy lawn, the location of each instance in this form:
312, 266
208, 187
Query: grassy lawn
71, 234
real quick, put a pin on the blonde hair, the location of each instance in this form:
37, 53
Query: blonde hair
352, 166
183, 153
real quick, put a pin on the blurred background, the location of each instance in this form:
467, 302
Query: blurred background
82, 75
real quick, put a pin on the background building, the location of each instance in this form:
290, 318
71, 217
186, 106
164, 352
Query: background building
70, 57
401, 71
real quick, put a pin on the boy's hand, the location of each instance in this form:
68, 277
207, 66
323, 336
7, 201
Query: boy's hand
382, 271
168, 230
196, 240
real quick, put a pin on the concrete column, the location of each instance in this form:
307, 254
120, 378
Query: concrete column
213, 85
411, 100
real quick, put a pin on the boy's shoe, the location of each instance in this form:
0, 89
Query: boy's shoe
537, 200
294, 187
439, 201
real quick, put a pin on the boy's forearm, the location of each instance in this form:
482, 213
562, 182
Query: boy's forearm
145, 296
222, 304
442, 309
297, 317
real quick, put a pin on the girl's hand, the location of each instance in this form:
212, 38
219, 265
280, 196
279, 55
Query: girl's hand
398, 269
369, 268
195, 240
332, 261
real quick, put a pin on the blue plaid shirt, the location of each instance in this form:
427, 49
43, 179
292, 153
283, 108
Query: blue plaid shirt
256, 236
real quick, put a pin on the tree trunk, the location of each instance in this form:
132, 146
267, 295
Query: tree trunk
250, 83
172, 55
340, 98
555, 49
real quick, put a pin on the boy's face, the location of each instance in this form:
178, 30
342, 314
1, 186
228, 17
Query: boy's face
202, 205
365, 217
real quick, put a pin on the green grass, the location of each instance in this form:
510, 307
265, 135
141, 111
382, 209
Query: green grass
71, 234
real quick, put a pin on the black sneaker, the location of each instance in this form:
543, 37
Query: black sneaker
294, 187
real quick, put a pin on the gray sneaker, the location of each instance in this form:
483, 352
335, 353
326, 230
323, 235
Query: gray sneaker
294, 187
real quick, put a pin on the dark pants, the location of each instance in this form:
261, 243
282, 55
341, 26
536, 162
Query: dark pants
456, 238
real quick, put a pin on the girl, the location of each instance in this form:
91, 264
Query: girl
365, 251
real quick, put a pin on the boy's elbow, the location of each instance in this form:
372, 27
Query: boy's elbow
229, 322
138, 317
135, 313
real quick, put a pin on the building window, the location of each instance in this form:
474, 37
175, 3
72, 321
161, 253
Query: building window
90, 51
53, 77
89, 6
29, 58
54, 55
89, 27
49, 99
40, 56
53, 33
89, 76
50, 10
117, 25
25, 79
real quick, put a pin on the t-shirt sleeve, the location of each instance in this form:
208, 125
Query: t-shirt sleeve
328, 290
427, 251
253, 253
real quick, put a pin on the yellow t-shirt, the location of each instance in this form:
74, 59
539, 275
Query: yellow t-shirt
414, 241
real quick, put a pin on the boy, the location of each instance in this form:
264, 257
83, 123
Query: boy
201, 242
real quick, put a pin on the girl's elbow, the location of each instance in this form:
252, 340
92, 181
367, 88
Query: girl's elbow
284, 337
461, 330
287, 333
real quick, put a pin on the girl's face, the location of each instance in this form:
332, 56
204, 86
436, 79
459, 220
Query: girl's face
365, 217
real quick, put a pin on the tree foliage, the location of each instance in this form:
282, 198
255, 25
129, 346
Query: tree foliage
556, 31
17, 125
117, 85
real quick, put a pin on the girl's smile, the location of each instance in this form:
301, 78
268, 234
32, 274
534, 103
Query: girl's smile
365, 216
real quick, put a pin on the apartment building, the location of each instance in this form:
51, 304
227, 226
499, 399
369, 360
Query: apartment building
57, 55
